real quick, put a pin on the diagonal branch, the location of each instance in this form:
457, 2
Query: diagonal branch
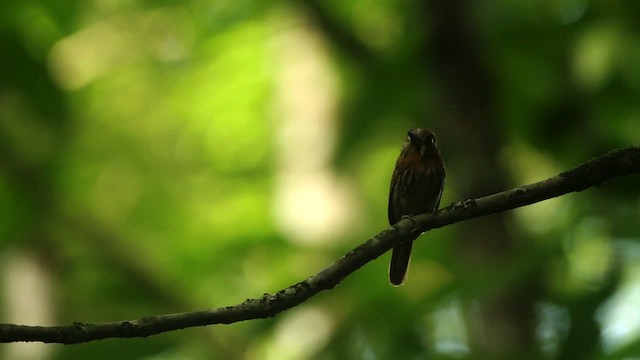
613, 164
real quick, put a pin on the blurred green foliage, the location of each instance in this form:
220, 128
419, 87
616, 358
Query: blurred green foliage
173, 156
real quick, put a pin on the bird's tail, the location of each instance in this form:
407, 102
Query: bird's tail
400, 257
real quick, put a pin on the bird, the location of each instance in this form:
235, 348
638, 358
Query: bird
416, 187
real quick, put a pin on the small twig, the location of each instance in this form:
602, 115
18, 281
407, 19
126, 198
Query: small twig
614, 164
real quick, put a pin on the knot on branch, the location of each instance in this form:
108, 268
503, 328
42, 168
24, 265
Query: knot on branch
464, 205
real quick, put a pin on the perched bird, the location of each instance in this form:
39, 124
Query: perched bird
416, 188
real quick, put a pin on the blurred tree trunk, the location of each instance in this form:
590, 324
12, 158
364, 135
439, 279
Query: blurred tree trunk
463, 79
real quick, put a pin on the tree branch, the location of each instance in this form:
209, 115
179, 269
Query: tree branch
613, 164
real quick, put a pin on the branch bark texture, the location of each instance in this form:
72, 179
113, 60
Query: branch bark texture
617, 163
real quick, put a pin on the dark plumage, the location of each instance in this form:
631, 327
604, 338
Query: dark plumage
416, 188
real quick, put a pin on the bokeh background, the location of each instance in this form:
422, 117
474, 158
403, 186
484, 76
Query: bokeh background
170, 156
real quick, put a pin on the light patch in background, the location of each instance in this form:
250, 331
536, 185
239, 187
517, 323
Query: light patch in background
312, 205
27, 299
450, 329
93, 52
301, 334
594, 55
589, 255
88, 54
619, 316
553, 324
377, 23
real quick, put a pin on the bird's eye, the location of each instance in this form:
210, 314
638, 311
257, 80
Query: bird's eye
431, 140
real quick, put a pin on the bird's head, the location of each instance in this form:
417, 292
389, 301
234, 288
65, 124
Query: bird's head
421, 140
